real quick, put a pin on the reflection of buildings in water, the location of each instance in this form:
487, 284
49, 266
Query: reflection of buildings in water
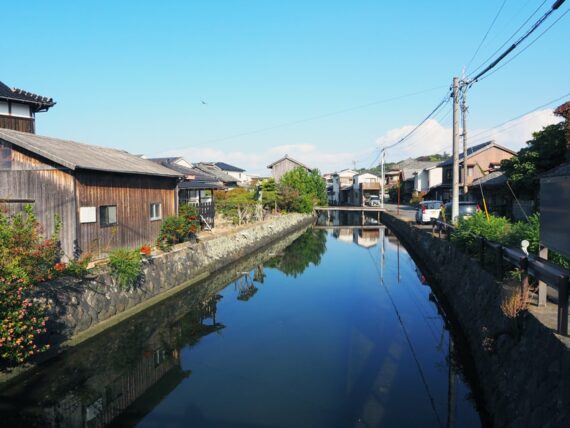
105, 395
343, 234
366, 238
98, 383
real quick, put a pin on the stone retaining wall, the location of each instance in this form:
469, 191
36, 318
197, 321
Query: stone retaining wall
80, 305
523, 367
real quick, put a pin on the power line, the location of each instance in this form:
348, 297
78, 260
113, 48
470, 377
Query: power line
537, 24
526, 47
409, 134
487, 131
486, 34
492, 130
321, 116
509, 39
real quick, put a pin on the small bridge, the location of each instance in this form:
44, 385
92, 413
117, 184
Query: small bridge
348, 208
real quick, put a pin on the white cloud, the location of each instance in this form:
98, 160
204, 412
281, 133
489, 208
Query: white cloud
256, 163
433, 137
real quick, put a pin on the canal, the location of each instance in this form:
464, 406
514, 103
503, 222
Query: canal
340, 329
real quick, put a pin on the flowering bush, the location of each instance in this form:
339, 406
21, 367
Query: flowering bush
176, 229
26, 258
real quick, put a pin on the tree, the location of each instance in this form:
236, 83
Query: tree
545, 151
300, 190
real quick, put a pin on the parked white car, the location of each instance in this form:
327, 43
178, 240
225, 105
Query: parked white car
373, 201
427, 210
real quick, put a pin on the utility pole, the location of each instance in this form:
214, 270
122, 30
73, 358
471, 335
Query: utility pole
464, 126
383, 178
455, 188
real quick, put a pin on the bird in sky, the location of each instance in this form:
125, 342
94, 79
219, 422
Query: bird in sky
203, 102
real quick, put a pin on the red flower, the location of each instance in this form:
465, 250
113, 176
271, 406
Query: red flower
146, 250
59, 267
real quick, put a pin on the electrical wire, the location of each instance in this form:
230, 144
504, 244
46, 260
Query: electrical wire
487, 33
492, 130
409, 134
537, 24
526, 47
321, 116
509, 39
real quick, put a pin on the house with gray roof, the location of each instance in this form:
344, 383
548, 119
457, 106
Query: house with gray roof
196, 188
105, 198
234, 171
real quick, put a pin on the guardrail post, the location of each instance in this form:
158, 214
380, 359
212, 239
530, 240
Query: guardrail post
542, 287
563, 305
482, 251
499, 263
524, 277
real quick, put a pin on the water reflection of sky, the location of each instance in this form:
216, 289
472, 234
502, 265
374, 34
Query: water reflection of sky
330, 347
334, 330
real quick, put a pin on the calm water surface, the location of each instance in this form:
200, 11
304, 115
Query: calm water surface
338, 330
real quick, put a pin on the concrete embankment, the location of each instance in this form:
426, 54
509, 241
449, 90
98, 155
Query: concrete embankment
82, 308
522, 366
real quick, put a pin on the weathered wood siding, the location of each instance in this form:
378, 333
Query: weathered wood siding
282, 167
47, 187
24, 124
132, 195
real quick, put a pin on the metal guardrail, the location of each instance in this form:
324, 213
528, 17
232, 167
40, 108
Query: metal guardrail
529, 265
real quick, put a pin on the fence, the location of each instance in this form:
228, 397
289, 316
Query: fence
207, 211
528, 264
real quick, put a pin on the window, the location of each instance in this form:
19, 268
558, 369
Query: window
470, 171
5, 156
155, 211
108, 215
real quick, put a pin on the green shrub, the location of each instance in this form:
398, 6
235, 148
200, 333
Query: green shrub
78, 268
468, 229
500, 230
525, 230
126, 267
237, 205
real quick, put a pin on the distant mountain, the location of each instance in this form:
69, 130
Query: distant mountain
390, 166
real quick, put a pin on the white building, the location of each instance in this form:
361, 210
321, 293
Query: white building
341, 187
427, 178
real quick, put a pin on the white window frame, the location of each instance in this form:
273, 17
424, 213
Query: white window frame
153, 215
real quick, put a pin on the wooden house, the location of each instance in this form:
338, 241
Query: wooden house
481, 159
196, 187
284, 165
105, 198
18, 108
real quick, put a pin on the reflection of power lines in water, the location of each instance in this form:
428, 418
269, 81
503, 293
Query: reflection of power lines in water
416, 300
408, 339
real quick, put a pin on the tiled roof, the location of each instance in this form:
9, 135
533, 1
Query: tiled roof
210, 168
475, 149
201, 179
227, 167
15, 94
74, 155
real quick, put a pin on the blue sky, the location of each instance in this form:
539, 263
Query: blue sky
132, 75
